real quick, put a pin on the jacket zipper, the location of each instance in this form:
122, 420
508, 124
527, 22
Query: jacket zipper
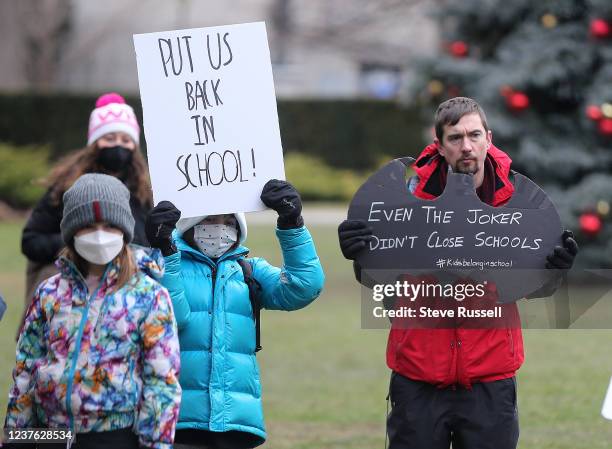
459, 373
77, 350
452, 370
213, 270
213, 280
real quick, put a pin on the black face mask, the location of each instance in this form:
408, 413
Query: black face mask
115, 159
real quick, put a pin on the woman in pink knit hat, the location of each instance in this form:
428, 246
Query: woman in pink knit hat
112, 148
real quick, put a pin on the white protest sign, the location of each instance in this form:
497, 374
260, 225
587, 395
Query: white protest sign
606, 410
210, 118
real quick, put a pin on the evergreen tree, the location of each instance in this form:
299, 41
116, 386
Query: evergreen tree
542, 70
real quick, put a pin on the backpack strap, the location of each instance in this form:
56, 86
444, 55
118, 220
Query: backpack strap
254, 296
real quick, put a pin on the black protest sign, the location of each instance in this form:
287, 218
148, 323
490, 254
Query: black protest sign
506, 245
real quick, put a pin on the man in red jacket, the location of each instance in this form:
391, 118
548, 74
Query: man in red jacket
455, 385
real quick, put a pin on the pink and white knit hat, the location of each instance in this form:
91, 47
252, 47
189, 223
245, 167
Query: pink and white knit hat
112, 114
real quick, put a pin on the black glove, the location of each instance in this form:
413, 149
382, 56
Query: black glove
562, 257
285, 200
354, 235
160, 223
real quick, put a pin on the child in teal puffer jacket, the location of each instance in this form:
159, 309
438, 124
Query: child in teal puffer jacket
98, 353
221, 405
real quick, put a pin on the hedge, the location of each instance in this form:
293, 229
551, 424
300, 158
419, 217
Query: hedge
343, 133
317, 181
22, 170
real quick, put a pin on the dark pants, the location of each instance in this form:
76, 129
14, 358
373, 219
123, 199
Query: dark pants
204, 439
426, 417
114, 439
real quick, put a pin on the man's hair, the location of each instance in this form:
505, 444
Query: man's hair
451, 111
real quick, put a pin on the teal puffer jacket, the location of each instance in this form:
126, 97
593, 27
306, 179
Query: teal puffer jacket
219, 373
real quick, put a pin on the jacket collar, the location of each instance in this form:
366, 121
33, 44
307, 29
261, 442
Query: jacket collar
431, 170
69, 270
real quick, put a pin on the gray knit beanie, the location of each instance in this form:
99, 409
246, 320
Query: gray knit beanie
95, 197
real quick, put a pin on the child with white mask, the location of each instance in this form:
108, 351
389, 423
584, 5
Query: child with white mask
211, 282
98, 353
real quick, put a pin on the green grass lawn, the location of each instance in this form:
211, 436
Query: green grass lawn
325, 379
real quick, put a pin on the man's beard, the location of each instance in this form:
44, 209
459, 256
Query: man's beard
468, 169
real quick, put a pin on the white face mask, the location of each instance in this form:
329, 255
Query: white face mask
214, 239
98, 247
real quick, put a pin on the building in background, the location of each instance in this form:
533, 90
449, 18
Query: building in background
322, 49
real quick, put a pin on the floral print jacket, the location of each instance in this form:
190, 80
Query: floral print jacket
101, 360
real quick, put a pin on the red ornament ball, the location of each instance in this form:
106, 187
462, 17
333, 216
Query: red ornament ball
600, 28
517, 101
590, 224
605, 127
459, 49
594, 112
453, 91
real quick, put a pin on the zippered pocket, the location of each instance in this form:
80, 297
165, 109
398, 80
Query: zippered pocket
103, 309
129, 380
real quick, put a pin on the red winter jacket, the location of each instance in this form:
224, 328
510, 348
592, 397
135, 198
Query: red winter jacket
459, 356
